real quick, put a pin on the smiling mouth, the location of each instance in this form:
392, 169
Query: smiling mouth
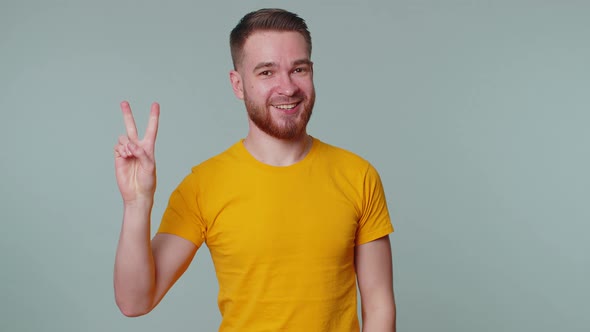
286, 106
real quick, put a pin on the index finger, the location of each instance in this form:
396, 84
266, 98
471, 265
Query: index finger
152, 126
129, 121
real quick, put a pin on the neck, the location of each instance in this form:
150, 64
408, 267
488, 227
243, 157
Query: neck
277, 152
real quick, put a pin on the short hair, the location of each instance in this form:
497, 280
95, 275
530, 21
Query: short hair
267, 19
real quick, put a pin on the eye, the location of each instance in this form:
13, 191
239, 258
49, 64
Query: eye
300, 70
265, 73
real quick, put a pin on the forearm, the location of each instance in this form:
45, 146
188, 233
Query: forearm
375, 278
134, 275
379, 320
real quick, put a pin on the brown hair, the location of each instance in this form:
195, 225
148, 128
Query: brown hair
267, 19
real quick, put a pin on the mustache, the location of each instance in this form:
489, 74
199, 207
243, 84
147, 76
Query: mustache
287, 100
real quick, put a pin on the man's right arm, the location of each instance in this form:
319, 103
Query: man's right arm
144, 269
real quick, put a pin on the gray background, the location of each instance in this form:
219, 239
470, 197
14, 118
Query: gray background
474, 112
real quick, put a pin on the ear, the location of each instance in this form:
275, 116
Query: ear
236, 83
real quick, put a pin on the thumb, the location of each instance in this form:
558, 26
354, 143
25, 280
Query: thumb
144, 160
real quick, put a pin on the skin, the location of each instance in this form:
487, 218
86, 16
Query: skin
275, 71
375, 280
144, 269
276, 83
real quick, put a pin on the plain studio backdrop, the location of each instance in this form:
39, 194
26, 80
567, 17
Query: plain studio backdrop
475, 113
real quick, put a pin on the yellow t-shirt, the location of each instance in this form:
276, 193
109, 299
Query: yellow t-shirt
282, 239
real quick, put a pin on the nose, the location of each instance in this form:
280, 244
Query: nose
286, 85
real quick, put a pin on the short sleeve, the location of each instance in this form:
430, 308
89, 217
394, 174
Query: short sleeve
375, 221
182, 216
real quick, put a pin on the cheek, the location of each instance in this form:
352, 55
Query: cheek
259, 92
305, 84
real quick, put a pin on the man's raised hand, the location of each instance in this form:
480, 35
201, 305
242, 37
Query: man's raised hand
135, 165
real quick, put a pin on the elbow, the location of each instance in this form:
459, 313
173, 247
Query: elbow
132, 309
380, 317
132, 312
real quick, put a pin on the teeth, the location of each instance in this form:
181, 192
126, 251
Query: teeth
285, 107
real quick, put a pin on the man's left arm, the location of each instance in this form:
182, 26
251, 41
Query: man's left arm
375, 279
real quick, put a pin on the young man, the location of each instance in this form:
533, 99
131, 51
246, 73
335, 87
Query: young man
291, 222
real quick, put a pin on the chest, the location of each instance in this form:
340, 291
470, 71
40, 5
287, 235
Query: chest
268, 222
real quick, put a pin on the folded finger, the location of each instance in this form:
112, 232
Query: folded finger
123, 140
121, 151
144, 160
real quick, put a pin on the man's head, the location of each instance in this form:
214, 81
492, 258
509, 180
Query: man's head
273, 72
268, 19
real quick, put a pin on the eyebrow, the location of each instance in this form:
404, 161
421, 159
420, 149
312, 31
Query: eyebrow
273, 64
265, 65
303, 62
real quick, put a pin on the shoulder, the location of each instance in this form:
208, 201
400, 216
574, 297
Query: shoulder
210, 172
219, 162
342, 158
213, 169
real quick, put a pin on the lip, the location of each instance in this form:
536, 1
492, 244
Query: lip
288, 111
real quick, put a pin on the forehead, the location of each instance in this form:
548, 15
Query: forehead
274, 46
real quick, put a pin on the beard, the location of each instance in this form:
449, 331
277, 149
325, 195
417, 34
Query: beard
285, 128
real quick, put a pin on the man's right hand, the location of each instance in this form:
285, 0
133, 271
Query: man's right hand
135, 165
144, 269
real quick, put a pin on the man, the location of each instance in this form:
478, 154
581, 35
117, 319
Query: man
291, 222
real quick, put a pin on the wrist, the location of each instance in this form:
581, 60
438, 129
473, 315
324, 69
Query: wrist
140, 203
